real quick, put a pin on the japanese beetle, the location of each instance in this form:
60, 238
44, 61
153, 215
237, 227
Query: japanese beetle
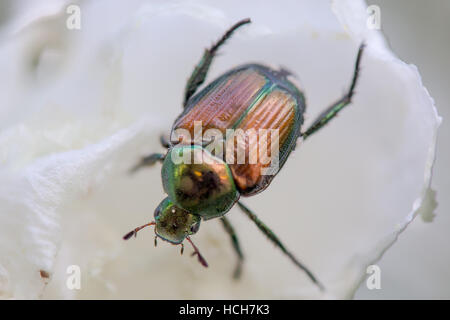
205, 184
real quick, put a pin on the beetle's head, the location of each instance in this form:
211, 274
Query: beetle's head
174, 224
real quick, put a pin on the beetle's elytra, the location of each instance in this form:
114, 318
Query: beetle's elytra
251, 98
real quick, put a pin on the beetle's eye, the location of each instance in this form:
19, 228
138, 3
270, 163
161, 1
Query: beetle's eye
195, 227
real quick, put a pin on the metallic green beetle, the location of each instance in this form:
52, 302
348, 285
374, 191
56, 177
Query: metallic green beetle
200, 182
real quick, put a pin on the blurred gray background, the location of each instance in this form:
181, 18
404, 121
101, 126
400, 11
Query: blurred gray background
417, 266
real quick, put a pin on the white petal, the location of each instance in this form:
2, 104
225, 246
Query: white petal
341, 200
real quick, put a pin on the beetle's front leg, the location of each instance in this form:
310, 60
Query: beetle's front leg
237, 248
272, 236
332, 111
151, 159
198, 76
147, 161
164, 142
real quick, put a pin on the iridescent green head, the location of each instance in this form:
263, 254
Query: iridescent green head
174, 224
198, 182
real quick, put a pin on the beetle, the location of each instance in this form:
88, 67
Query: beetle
251, 96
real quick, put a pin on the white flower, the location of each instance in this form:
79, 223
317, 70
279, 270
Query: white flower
80, 107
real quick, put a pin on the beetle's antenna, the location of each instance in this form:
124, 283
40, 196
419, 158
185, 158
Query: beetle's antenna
134, 232
197, 252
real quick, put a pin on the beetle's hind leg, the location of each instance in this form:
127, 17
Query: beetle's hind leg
237, 248
332, 111
198, 76
272, 236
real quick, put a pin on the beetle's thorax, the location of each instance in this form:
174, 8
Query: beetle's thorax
198, 182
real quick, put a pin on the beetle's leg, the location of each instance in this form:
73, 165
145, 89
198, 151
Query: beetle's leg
237, 248
148, 161
332, 111
164, 142
269, 233
201, 69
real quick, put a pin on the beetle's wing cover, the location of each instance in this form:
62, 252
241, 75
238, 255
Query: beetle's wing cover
251, 97
276, 110
222, 103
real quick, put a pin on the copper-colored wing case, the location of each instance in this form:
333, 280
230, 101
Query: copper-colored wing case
249, 97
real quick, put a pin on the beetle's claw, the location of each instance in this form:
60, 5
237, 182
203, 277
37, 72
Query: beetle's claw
237, 272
